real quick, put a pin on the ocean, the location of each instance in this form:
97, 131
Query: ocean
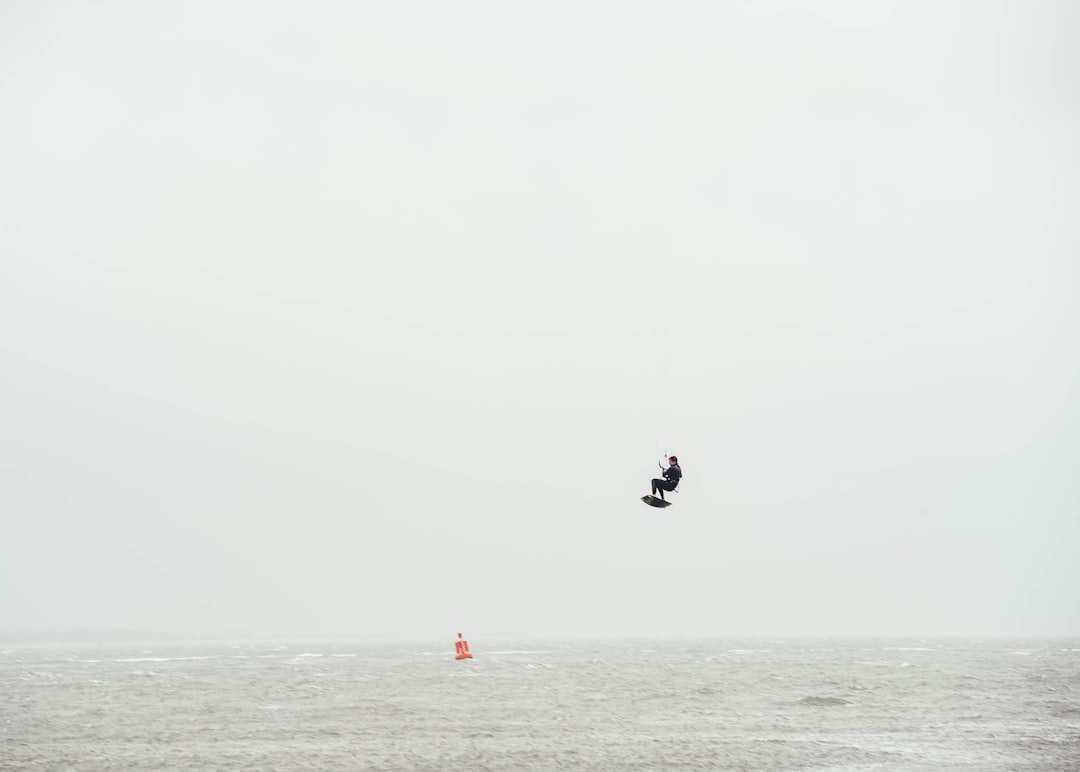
543, 705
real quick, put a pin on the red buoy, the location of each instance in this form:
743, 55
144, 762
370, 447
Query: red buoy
461, 646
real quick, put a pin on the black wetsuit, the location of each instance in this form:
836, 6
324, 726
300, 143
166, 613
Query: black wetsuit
672, 475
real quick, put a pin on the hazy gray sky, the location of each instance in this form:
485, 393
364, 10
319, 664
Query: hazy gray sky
374, 318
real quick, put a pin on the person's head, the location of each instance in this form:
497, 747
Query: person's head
672, 460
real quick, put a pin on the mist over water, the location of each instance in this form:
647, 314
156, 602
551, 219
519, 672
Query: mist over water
370, 321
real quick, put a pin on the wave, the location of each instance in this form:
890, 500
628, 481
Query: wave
824, 701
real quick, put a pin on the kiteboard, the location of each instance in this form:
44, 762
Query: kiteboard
653, 501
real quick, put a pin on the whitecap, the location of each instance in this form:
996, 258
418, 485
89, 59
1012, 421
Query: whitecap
514, 651
160, 659
142, 659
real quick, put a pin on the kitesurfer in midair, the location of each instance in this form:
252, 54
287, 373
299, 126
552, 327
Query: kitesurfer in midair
672, 475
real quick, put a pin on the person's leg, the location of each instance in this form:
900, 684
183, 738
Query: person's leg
656, 486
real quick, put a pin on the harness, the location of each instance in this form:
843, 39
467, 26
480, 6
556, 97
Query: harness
678, 482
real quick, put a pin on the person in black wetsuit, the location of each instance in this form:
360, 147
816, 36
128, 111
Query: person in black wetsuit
672, 475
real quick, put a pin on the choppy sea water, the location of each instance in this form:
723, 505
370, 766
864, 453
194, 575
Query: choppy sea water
675, 705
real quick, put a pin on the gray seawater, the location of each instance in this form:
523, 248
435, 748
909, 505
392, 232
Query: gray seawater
676, 705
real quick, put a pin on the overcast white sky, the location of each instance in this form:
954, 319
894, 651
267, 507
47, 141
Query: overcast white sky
374, 318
